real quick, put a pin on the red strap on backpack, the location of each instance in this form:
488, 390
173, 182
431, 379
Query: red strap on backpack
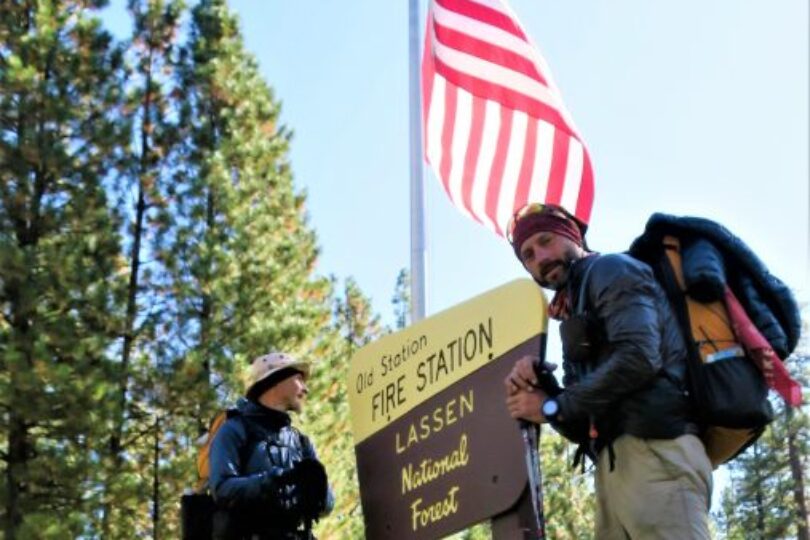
760, 350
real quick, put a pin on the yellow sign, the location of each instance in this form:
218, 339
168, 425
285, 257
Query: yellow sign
389, 377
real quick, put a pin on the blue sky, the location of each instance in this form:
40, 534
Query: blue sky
691, 108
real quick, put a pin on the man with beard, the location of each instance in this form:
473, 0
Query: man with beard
624, 375
265, 476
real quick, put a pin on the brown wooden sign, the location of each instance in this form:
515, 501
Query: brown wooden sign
432, 466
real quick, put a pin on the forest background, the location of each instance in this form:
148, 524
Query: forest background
153, 240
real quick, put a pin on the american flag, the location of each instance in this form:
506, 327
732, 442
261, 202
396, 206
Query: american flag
496, 132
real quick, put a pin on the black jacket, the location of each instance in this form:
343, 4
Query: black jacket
253, 459
634, 382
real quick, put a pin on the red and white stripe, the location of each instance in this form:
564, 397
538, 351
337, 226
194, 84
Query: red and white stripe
495, 129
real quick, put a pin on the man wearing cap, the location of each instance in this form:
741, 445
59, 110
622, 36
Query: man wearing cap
624, 365
265, 476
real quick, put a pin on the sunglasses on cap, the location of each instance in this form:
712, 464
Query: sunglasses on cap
530, 209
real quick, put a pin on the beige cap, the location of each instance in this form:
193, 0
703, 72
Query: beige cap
266, 365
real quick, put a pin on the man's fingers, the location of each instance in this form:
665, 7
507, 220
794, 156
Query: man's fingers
522, 383
527, 374
522, 406
513, 405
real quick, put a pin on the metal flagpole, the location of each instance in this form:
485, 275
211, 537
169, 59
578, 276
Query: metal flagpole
527, 518
418, 250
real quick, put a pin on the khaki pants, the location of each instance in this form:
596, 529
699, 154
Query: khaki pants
659, 489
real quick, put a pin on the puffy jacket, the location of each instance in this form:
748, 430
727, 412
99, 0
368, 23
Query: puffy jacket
252, 476
768, 302
635, 380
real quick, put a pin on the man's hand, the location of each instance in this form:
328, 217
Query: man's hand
523, 376
526, 405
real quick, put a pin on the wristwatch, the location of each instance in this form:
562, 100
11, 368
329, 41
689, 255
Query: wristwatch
550, 409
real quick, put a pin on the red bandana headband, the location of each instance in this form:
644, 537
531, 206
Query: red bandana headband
544, 222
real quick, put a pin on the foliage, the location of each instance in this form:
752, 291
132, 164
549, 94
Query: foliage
152, 242
327, 413
60, 287
767, 497
402, 299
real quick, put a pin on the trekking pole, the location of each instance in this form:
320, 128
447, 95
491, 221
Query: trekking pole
531, 440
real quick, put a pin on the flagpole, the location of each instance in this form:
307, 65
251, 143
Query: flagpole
418, 250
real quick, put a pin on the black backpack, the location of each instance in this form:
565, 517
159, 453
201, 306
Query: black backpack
729, 393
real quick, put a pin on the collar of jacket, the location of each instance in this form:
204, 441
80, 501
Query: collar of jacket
578, 268
267, 417
561, 305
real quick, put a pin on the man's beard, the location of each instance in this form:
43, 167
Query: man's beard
564, 263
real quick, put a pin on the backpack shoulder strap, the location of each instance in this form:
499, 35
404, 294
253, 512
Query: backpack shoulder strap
583, 289
252, 435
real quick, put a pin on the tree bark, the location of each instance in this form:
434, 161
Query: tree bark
759, 498
156, 481
797, 473
116, 437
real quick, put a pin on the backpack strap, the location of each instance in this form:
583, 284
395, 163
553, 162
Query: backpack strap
583, 289
252, 435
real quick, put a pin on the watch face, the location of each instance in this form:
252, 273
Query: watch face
550, 407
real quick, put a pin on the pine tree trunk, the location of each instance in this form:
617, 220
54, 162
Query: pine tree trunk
19, 293
759, 498
15, 469
116, 446
797, 473
18, 436
206, 315
156, 481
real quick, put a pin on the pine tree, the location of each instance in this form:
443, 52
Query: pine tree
327, 415
570, 508
402, 299
797, 423
356, 321
240, 257
145, 168
59, 260
767, 498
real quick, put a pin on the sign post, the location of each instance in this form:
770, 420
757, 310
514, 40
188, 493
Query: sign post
436, 448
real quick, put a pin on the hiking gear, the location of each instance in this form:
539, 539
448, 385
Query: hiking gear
277, 488
550, 409
559, 308
580, 333
197, 509
635, 380
754, 342
542, 218
531, 443
204, 454
692, 256
768, 302
196, 513
255, 477
310, 477
269, 364
727, 390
